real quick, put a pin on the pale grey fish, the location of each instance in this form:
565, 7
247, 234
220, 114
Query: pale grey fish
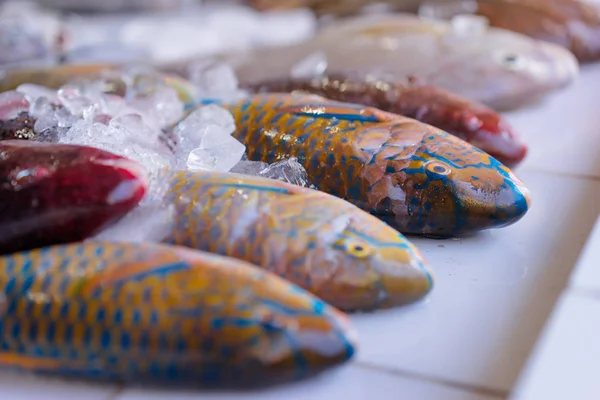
502, 69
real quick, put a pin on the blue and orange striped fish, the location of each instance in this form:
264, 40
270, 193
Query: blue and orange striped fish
326, 245
413, 176
149, 312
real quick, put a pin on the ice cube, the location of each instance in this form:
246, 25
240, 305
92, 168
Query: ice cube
144, 224
312, 66
121, 137
220, 155
132, 128
114, 105
46, 121
74, 100
12, 103
163, 104
289, 170
207, 122
33, 92
211, 114
40, 106
215, 80
64, 118
142, 81
84, 133
151, 159
247, 167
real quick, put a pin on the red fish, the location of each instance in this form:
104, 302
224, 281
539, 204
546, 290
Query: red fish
53, 194
469, 120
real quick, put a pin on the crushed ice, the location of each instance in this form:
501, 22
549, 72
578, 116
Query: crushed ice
288, 170
132, 112
137, 124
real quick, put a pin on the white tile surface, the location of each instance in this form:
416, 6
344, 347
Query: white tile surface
347, 383
567, 359
494, 292
587, 274
26, 387
563, 131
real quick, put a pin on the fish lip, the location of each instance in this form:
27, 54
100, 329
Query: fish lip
567, 70
407, 284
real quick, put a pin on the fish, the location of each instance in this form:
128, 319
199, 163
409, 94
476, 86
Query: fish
48, 197
415, 177
331, 7
325, 245
53, 76
573, 24
151, 313
501, 69
117, 78
471, 121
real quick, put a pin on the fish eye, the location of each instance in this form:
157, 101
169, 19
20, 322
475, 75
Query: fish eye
358, 249
512, 61
438, 168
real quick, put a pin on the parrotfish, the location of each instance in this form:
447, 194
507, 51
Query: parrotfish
160, 314
342, 254
417, 178
115, 78
574, 24
502, 69
53, 194
471, 121
52, 77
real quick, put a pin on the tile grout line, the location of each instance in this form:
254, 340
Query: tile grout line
465, 387
560, 173
586, 292
120, 390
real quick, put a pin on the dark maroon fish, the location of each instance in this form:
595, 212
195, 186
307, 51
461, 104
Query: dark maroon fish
53, 193
471, 121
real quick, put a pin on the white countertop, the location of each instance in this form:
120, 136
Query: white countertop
472, 337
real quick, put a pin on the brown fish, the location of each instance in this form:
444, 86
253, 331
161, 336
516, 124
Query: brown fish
53, 77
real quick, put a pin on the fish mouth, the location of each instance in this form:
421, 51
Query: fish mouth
307, 343
494, 208
564, 65
413, 285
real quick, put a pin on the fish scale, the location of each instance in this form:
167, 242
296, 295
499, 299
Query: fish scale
321, 243
136, 311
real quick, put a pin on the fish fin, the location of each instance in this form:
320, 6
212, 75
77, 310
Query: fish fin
341, 111
135, 271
